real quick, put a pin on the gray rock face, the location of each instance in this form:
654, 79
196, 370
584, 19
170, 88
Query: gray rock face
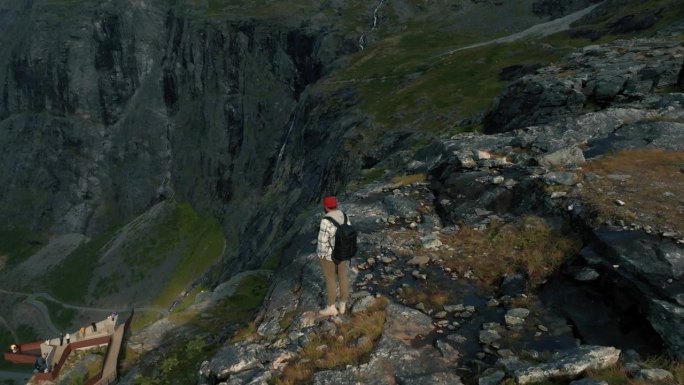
110, 108
652, 267
559, 8
234, 359
667, 319
394, 360
604, 74
569, 364
571, 156
531, 101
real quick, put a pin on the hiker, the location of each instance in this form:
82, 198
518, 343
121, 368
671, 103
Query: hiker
68, 338
40, 365
94, 325
333, 273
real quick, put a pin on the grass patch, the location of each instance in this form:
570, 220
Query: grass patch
428, 293
247, 332
405, 180
67, 280
372, 175
676, 367
188, 300
649, 181
271, 263
240, 307
404, 82
198, 240
287, 319
180, 363
618, 375
528, 246
61, 316
16, 245
351, 345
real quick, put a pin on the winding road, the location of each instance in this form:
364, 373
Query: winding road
33, 300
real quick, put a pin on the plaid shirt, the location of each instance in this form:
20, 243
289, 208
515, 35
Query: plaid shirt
326, 234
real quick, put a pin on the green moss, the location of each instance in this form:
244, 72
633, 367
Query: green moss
180, 363
247, 298
67, 280
107, 285
19, 244
61, 316
373, 175
287, 319
201, 244
271, 263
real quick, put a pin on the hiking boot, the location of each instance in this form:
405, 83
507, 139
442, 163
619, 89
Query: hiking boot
328, 311
342, 307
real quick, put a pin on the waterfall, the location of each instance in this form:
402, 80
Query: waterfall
282, 147
375, 15
362, 39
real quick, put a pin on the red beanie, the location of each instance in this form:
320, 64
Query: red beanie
330, 203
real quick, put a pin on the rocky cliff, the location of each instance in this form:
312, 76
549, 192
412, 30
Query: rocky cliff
110, 108
113, 115
623, 290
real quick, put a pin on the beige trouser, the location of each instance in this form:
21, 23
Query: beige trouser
332, 273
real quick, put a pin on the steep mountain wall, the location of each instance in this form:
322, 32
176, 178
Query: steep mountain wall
109, 108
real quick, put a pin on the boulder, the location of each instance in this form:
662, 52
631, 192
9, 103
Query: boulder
654, 376
667, 319
566, 157
568, 364
232, 359
532, 101
561, 178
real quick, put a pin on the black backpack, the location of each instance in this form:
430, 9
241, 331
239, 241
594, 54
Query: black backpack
345, 241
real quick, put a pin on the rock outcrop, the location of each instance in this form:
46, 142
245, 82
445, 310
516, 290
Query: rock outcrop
475, 180
107, 109
597, 76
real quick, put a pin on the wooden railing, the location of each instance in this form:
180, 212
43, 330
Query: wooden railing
107, 375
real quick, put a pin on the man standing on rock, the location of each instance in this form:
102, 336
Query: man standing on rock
333, 272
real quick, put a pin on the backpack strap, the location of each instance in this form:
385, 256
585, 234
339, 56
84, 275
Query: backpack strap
334, 222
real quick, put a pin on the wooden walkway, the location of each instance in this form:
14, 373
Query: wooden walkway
56, 351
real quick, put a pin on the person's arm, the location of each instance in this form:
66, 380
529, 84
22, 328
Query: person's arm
324, 248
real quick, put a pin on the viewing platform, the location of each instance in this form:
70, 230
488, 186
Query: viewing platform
56, 351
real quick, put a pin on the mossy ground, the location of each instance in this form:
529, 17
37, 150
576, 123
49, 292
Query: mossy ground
195, 241
185, 352
648, 181
351, 345
16, 245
